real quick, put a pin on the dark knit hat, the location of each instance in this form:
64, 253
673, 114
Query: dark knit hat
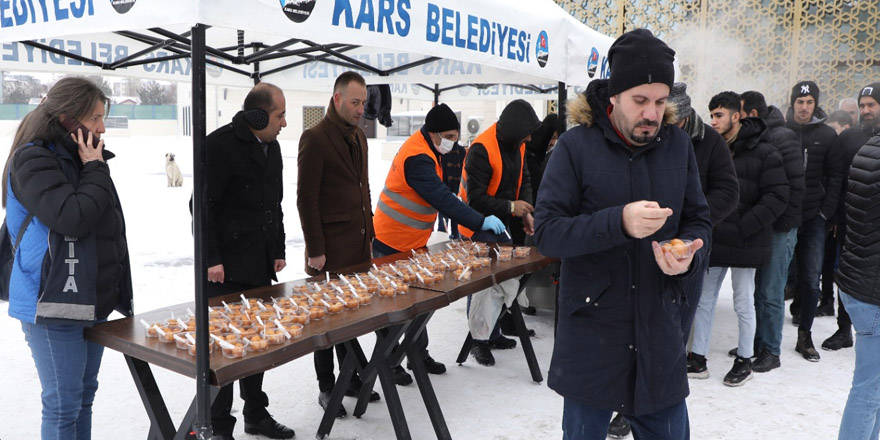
872, 90
805, 88
638, 57
679, 99
441, 118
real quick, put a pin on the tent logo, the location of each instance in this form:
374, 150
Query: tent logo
298, 11
593, 63
122, 6
213, 70
542, 49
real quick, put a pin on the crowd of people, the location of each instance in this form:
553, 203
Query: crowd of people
786, 202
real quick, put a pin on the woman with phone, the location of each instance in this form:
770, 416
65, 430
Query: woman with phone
56, 184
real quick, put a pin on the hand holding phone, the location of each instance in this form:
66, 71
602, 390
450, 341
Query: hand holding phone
88, 150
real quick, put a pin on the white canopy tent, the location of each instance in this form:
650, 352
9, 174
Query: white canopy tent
299, 44
304, 44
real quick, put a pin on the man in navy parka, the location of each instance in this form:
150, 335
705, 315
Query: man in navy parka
619, 183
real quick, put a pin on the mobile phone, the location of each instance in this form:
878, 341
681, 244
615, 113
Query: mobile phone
72, 125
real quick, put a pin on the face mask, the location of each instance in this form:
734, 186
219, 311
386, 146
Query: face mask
445, 146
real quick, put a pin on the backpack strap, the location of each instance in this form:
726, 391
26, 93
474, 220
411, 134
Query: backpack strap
21, 230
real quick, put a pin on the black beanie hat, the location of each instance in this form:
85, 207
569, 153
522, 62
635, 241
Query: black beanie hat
638, 57
872, 90
805, 88
441, 118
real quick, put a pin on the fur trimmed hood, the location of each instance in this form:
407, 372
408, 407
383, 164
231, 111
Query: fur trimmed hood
580, 109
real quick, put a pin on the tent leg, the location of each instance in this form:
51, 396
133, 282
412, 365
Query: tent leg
203, 391
560, 106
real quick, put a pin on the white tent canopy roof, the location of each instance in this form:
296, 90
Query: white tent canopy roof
305, 44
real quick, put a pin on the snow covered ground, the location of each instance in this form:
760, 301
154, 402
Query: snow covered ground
801, 400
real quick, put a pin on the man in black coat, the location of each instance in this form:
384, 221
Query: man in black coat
851, 141
718, 180
617, 184
245, 231
742, 242
823, 177
770, 277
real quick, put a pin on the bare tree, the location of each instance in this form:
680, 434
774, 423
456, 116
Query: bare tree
152, 93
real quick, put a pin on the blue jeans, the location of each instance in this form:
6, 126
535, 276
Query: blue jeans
810, 253
770, 292
861, 417
743, 281
68, 366
581, 422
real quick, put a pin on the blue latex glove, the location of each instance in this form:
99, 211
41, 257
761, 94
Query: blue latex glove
492, 223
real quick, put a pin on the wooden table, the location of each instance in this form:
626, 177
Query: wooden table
404, 316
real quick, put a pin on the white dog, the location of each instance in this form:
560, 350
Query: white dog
172, 171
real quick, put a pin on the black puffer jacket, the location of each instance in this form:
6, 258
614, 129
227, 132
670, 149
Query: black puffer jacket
823, 174
786, 141
743, 238
851, 141
517, 121
717, 175
859, 272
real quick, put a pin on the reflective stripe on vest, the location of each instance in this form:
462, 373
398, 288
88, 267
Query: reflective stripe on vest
489, 140
404, 220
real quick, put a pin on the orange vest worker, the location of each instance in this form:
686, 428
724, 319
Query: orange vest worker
489, 140
404, 220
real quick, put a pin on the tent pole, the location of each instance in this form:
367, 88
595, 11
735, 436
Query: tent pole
562, 92
436, 94
203, 392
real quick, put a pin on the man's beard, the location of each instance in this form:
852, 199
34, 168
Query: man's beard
644, 138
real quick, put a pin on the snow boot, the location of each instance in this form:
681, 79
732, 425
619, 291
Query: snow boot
805, 346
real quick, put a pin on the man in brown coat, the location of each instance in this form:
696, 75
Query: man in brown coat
333, 199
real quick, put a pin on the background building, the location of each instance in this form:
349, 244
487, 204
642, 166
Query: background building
764, 45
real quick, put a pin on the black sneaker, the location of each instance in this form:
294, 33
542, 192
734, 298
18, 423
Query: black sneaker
324, 400
401, 377
697, 366
530, 310
765, 362
805, 347
840, 339
502, 343
825, 309
619, 427
434, 367
740, 373
483, 354
796, 320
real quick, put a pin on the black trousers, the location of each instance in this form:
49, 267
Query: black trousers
324, 367
250, 388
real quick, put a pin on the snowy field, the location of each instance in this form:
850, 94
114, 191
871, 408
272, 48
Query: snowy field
801, 400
